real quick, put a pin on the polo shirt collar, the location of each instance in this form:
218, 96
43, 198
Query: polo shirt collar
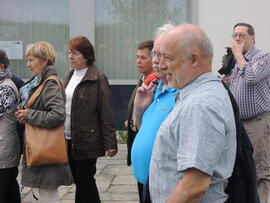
169, 89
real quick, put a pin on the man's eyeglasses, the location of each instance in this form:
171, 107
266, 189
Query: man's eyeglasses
155, 54
240, 35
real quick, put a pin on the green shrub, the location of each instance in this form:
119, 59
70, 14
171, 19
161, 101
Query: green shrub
121, 136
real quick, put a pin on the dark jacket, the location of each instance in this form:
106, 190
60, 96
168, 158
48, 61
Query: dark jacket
20, 128
131, 132
92, 125
228, 62
242, 185
17, 81
47, 111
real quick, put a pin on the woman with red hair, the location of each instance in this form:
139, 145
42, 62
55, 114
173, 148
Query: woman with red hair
89, 125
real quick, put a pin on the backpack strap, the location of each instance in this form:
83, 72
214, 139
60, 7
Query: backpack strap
37, 92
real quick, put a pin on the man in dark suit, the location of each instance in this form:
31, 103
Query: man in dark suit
144, 66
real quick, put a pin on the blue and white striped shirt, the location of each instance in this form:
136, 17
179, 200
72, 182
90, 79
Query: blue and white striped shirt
198, 133
250, 86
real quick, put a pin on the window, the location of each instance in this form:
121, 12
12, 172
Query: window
31, 21
121, 24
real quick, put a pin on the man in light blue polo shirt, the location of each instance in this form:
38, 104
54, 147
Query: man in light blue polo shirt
149, 120
163, 102
195, 147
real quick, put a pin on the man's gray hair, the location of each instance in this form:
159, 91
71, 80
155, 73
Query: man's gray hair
162, 29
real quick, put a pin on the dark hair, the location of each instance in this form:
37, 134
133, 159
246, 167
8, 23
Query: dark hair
148, 44
84, 46
3, 58
250, 28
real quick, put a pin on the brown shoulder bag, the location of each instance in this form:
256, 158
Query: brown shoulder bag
44, 146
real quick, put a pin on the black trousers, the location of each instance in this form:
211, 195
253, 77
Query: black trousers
140, 191
144, 193
83, 172
9, 188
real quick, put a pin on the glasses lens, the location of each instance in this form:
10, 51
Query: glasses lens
155, 54
240, 35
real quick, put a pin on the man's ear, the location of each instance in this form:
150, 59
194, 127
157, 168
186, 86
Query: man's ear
253, 38
195, 58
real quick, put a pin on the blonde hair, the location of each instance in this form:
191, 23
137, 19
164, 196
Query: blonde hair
41, 50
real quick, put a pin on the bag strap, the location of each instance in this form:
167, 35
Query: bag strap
37, 92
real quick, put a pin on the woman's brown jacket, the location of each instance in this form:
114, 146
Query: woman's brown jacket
92, 124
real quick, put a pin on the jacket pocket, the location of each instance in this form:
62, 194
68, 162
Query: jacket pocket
91, 139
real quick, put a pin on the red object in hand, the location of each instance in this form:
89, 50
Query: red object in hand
150, 78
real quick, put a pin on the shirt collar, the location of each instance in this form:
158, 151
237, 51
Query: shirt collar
143, 78
249, 55
205, 77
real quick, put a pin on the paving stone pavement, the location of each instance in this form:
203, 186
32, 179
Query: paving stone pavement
115, 182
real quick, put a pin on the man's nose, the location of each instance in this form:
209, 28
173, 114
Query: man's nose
162, 64
155, 60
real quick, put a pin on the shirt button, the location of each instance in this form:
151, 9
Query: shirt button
157, 99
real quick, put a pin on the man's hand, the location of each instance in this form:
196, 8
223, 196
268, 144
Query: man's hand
237, 50
126, 123
143, 98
